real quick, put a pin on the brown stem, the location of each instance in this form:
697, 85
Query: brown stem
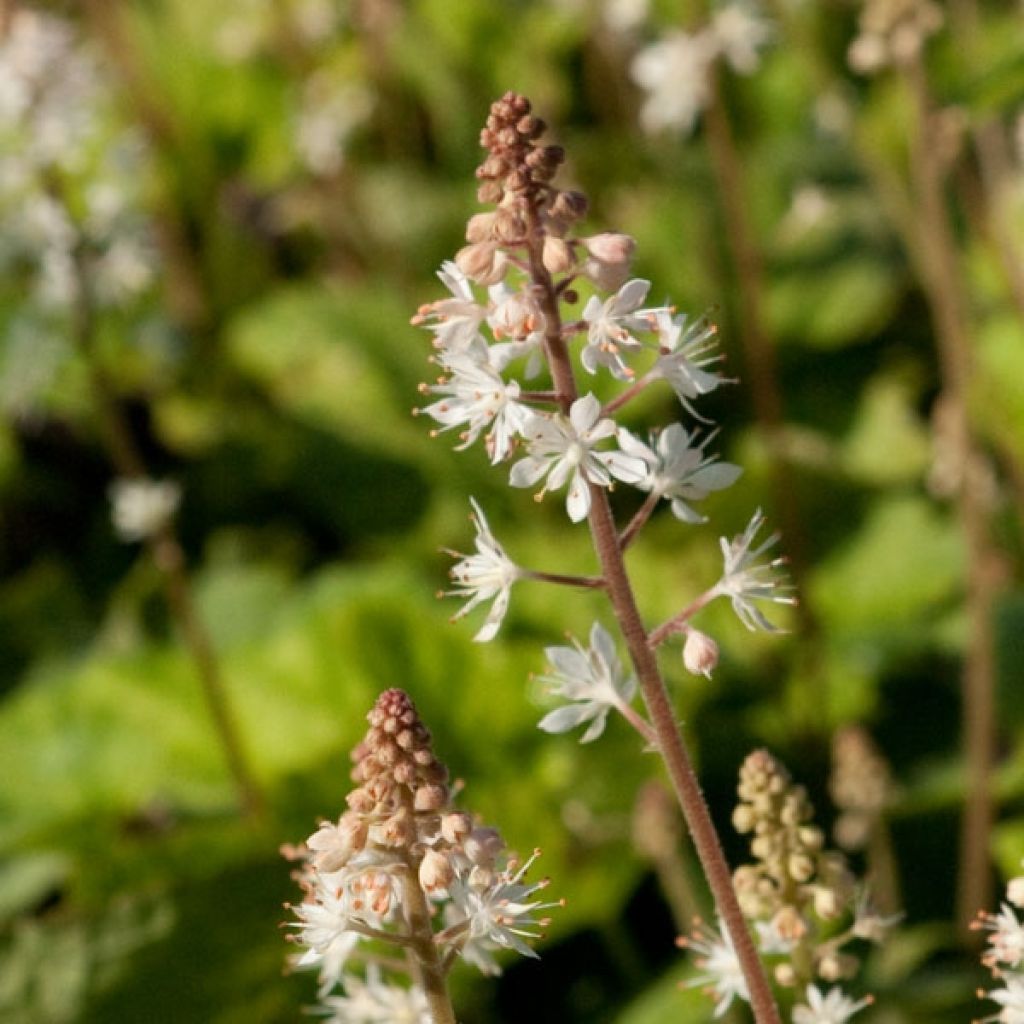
167, 553
586, 582
678, 622
637, 523
948, 304
670, 742
426, 957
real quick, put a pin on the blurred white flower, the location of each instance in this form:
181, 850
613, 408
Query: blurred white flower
740, 32
833, 1008
142, 508
592, 678
329, 112
673, 73
562, 449
374, 1001
719, 966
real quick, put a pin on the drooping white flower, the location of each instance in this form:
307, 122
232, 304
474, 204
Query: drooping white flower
494, 910
562, 449
740, 32
141, 508
455, 321
487, 575
592, 679
745, 580
833, 1008
609, 327
721, 974
686, 347
1010, 996
673, 72
477, 397
374, 1001
678, 469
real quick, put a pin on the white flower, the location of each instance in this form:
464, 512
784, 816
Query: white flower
487, 575
494, 910
678, 469
686, 347
1011, 998
329, 113
592, 678
477, 396
455, 321
609, 324
324, 929
562, 449
673, 72
834, 1008
142, 508
1006, 943
740, 33
721, 973
745, 581
374, 1001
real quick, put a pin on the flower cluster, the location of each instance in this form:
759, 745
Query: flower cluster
892, 33
495, 337
800, 897
675, 71
69, 177
400, 857
861, 786
1004, 955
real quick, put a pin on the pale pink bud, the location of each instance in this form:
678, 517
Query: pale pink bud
480, 227
435, 871
482, 845
558, 255
430, 798
610, 247
700, 653
482, 262
456, 826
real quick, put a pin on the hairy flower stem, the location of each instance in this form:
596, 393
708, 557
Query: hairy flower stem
948, 304
663, 721
166, 550
426, 958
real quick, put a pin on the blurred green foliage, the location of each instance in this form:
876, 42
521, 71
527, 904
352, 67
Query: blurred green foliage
271, 371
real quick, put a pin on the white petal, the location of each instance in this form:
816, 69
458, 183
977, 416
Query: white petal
584, 413
577, 502
565, 718
526, 472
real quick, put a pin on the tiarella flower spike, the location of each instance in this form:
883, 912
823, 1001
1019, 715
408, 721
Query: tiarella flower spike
399, 851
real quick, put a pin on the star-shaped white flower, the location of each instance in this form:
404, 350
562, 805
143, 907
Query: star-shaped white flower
1011, 998
739, 33
1006, 943
374, 1001
592, 678
609, 327
487, 575
454, 321
678, 469
833, 1008
686, 347
719, 965
563, 450
744, 580
476, 395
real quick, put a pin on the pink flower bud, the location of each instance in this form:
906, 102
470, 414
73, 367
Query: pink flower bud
435, 871
456, 826
480, 227
558, 255
482, 262
700, 653
482, 845
430, 798
610, 247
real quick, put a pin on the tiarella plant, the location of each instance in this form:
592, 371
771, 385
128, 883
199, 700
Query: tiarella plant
404, 884
512, 356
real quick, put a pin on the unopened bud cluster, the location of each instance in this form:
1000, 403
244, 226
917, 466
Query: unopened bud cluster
800, 896
400, 848
861, 787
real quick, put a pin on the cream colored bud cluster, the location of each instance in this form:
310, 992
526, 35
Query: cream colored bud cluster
801, 897
399, 848
515, 177
893, 33
861, 786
